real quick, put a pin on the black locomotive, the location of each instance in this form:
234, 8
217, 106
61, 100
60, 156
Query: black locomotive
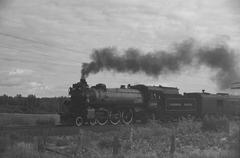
101, 105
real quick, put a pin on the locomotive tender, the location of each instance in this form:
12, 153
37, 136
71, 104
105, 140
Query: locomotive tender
102, 105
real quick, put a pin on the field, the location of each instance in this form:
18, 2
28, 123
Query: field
17, 119
211, 138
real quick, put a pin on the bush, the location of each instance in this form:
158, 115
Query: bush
188, 126
215, 124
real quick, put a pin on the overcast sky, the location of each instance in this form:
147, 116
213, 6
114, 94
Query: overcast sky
43, 43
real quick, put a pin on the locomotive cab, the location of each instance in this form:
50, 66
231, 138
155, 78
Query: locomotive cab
166, 103
155, 101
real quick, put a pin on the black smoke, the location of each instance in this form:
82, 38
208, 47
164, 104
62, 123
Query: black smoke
186, 54
224, 61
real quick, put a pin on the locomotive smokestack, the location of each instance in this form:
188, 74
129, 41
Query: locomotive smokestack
83, 83
189, 53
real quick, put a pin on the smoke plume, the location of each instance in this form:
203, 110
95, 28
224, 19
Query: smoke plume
186, 54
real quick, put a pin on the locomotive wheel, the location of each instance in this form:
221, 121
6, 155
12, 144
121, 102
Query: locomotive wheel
115, 117
79, 121
127, 116
103, 119
93, 122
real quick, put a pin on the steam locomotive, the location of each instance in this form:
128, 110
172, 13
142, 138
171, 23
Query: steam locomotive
101, 105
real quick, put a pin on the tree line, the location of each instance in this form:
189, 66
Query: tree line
30, 104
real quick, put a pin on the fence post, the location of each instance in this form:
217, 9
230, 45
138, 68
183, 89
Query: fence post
116, 146
172, 146
77, 152
131, 138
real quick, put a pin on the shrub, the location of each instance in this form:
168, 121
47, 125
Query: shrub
215, 124
188, 126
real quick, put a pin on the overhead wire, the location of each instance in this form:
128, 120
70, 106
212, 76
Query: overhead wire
41, 43
27, 59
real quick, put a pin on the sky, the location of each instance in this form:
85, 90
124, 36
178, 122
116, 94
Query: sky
44, 43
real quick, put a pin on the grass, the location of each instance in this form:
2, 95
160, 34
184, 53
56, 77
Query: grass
16, 119
151, 140
27, 150
215, 124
